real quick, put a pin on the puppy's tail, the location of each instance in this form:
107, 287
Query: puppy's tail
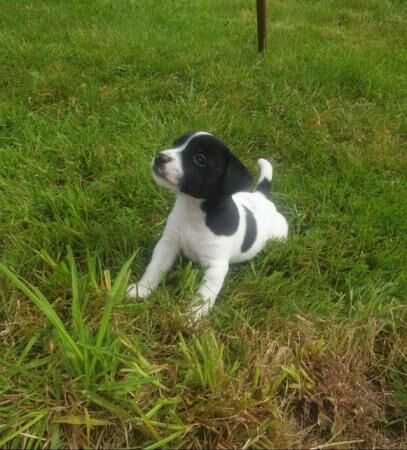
266, 173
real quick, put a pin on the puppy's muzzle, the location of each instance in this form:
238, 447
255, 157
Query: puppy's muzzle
161, 159
166, 170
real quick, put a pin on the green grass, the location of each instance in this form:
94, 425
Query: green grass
307, 343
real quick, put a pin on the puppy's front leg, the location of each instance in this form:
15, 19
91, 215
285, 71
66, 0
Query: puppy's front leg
212, 284
164, 255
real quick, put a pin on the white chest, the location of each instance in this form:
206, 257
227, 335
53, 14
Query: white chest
189, 243
196, 240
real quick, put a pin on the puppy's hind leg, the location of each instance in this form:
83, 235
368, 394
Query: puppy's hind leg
212, 284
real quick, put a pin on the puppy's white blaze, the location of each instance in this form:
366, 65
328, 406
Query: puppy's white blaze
181, 147
198, 133
266, 170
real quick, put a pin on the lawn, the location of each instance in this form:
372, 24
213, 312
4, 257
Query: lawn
306, 346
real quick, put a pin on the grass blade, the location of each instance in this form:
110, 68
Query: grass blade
117, 288
40, 415
77, 318
112, 299
163, 442
80, 420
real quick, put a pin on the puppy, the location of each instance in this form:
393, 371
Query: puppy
213, 222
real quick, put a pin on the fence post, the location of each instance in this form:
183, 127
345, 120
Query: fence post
261, 24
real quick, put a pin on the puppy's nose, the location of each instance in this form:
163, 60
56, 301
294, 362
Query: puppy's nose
161, 159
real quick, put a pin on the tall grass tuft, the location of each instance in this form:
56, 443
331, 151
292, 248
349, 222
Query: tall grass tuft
102, 366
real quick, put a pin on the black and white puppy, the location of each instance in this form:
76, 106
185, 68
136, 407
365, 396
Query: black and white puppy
213, 222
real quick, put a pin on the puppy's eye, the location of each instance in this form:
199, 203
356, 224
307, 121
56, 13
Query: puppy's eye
200, 160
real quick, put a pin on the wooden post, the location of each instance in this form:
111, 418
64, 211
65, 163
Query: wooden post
261, 24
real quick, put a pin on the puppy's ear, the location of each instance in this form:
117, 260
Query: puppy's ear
237, 177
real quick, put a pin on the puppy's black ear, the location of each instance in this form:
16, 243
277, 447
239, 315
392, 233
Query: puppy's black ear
237, 177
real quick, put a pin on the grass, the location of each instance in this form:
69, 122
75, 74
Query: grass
306, 344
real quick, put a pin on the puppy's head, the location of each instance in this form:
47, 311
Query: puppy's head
200, 165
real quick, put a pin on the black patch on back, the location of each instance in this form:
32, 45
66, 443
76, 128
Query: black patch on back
251, 230
264, 187
222, 218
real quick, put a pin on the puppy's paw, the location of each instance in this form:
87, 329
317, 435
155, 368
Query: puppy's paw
138, 291
198, 310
